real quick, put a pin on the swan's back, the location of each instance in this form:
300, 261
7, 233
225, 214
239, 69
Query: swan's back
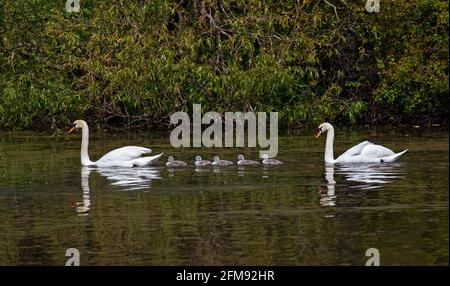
247, 162
124, 154
376, 151
355, 150
272, 162
176, 164
222, 163
365, 152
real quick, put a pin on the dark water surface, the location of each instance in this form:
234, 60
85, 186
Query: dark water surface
300, 213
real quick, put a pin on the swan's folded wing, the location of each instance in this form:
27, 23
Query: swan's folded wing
355, 150
376, 151
127, 153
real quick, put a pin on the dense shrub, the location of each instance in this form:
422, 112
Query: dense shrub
133, 63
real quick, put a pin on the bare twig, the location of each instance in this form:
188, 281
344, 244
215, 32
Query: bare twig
334, 7
215, 26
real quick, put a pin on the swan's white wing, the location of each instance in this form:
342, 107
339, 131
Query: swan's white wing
146, 161
355, 150
376, 151
123, 154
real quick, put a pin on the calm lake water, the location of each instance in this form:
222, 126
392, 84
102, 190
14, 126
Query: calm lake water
300, 213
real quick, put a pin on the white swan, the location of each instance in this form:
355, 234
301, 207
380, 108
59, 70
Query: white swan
364, 152
129, 156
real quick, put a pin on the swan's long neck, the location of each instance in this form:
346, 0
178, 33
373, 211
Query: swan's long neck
85, 161
329, 158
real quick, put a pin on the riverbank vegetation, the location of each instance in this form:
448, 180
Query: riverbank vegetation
133, 63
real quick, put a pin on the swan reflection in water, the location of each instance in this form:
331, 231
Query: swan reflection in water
83, 207
328, 198
125, 178
358, 176
370, 176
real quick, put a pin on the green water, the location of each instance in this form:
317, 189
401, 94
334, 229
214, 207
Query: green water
300, 213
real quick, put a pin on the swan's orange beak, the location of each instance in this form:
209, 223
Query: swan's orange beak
318, 134
71, 130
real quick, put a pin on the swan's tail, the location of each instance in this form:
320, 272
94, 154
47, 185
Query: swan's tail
146, 161
392, 158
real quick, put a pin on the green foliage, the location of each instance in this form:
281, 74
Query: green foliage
412, 59
134, 63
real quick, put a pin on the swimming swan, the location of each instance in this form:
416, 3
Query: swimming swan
174, 163
129, 156
242, 161
364, 152
267, 161
218, 162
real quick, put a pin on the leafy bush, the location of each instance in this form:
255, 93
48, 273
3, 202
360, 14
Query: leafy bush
133, 63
